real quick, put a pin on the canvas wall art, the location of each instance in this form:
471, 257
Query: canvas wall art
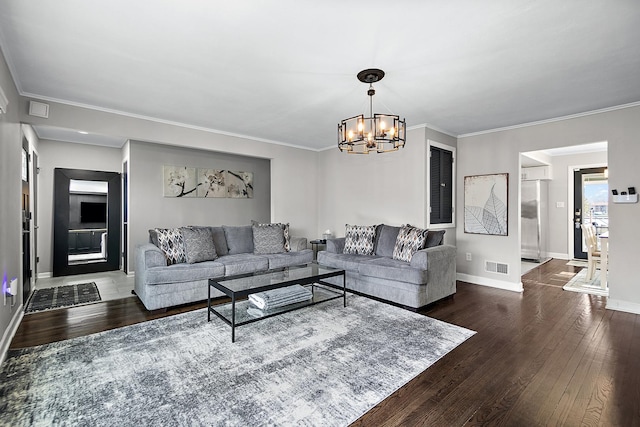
485, 204
179, 181
239, 185
212, 183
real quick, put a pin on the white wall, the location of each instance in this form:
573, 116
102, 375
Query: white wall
498, 152
56, 154
10, 206
372, 189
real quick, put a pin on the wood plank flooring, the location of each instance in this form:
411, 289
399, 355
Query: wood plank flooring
543, 357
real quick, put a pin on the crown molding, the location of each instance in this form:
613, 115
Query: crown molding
432, 127
162, 121
553, 120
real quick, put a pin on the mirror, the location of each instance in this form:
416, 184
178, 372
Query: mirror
86, 228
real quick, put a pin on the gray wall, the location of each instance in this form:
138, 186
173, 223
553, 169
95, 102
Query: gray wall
10, 190
149, 209
371, 189
498, 152
56, 154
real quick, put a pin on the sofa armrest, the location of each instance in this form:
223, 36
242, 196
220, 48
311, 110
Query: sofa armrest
434, 255
298, 243
335, 246
149, 255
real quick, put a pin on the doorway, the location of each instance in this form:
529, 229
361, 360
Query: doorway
591, 205
86, 221
27, 272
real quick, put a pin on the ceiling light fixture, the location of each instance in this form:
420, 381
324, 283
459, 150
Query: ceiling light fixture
381, 133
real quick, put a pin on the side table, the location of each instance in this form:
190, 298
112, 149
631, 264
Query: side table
315, 244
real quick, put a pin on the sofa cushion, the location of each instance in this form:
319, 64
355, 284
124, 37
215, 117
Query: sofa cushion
239, 239
268, 238
287, 259
198, 244
409, 241
243, 263
392, 269
359, 239
348, 262
386, 236
184, 272
434, 238
171, 243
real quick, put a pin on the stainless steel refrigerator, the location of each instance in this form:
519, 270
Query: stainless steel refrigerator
533, 220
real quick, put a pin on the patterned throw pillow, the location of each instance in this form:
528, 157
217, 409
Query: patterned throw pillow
268, 239
198, 244
359, 239
410, 240
285, 229
171, 243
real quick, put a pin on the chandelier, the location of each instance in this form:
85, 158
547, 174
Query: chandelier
381, 133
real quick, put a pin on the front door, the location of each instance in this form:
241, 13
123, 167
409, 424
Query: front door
591, 197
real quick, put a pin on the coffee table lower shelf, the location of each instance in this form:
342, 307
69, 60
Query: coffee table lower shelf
322, 292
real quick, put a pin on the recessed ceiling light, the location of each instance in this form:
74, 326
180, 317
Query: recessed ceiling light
83, 132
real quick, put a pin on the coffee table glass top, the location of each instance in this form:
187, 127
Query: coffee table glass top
248, 282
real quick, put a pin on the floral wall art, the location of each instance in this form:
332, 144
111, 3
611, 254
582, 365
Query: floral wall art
182, 181
485, 204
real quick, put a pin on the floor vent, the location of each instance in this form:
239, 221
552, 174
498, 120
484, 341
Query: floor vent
496, 267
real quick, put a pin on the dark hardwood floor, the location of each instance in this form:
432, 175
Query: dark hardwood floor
543, 357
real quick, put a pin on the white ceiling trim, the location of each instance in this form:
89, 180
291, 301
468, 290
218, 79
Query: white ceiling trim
166, 122
555, 119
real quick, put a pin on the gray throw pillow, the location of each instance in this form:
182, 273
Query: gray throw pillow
386, 236
239, 239
219, 239
410, 240
434, 238
359, 239
268, 239
285, 229
171, 243
198, 244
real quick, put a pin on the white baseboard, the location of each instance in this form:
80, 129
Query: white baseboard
45, 275
10, 332
493, 283
131, 274
558, 255
620, 305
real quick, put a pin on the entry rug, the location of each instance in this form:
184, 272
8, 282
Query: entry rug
579, 283
324, 365
63, 296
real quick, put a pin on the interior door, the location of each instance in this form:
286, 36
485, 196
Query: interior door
590, 201
26, 223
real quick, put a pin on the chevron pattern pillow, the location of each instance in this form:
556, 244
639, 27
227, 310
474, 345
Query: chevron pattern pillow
171, 243
359, 239
409, 241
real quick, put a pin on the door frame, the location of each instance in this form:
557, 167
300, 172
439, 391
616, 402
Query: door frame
571, 202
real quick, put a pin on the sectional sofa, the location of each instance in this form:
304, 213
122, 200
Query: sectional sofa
174, 267
428, 276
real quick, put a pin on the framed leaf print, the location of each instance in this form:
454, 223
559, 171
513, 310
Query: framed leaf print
486, 204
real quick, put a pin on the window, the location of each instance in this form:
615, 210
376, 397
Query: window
441, 185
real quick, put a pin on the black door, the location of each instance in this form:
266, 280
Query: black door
590, 205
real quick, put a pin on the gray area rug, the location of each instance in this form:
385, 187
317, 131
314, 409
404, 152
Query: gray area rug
63, 296
579, 283
320, 366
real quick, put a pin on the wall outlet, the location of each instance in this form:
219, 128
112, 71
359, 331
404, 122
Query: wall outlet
468, 256
559, 204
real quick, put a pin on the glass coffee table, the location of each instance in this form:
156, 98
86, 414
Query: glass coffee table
239, 287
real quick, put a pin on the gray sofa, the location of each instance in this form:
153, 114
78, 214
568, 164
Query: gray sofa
159, 285
429, 277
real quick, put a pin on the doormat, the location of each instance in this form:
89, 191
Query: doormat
63, 296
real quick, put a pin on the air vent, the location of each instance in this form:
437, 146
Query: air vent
496, 267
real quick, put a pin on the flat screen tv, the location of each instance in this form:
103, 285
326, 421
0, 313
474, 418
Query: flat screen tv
93, 212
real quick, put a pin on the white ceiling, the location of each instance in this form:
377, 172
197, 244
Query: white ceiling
285, 71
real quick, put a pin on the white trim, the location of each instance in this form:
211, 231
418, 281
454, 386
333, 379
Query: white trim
558, 255
553, 120
45, 275
620, 305
483, 281
432, 127
10, 332
131, 274
427, 202
166, 122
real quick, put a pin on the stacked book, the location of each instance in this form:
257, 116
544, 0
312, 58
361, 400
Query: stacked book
261, 303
